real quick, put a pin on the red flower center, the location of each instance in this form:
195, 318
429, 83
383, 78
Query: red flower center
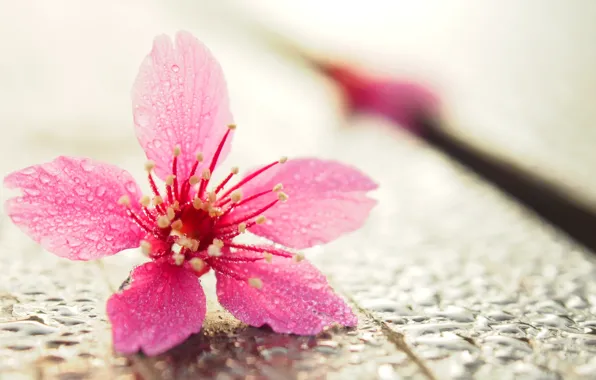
190, 222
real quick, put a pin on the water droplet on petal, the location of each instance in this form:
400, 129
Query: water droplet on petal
175, 68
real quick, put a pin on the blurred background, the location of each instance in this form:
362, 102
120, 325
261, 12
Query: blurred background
515, 80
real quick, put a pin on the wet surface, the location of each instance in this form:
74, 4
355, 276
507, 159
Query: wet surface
453, 281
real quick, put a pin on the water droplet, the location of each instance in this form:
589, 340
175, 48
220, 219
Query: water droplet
86, 165
44, 178
100, 191
175, 68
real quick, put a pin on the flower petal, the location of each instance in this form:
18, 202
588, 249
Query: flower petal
70, 206
294, 297
163, 305
180, 99
326, 200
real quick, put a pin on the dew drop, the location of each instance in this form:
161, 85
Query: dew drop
86, 166
175, 68
44, 178
100, 191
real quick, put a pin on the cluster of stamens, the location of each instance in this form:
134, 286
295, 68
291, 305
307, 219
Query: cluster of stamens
188, 222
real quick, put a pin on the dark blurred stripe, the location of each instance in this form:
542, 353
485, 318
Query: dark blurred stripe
545, 199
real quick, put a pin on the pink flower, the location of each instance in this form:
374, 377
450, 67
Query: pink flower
405, 102
82, 209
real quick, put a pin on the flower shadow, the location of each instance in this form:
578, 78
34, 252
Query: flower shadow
226, 348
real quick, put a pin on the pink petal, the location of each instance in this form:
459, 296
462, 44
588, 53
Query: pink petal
180, 99
163, 306
70, 206
326, 200
294, 298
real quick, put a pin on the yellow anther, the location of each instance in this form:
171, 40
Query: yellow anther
170, 179
197, 264
215, 211
298, 257
255, 282
194, 245
218, 243
260, 219
232, 126
177, 225
282, 196
145, 247
197, 203
212, 197
149, 165
283, 160
235, 170
242, 227
278, 187
170, 213
206, 174
124, 200
236, 196
213, 250
200, 157
268, 257
178, 258
176, 206
145, 201
163, 222
157, 200
176, 151
193, 180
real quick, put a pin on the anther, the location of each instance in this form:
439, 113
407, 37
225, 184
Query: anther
177, 225
170, 179
213, 250
176, 151
255, 282
282, 196
268, 257
283, 160
235, 170
194, 245
163, 221
176, 206
157, 200
124, 200
193, 180
242, 227
199, 157
197, 203
145, 201
145, 247
206, 174
232, 126
218, 243
212, 197
299, 257
178, 258
278, 187
236, 196
149, 165
170, 213
197, 264
260, 219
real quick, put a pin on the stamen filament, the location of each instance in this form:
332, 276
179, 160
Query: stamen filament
262, 250
249, 177
250, 216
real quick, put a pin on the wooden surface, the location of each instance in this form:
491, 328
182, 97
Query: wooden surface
452, 279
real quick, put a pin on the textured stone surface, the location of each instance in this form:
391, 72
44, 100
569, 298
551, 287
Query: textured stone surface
454, 282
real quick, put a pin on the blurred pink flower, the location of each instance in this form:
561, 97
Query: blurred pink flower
405, 102
82, 209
